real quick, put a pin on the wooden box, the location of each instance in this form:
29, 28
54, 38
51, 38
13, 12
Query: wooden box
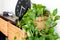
11, 31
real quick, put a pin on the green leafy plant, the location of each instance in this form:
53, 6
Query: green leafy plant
34, 33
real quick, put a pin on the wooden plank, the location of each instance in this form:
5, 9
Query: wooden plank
3, 26
14, 31
11, 31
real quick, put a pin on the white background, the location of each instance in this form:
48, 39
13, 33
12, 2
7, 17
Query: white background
9, 5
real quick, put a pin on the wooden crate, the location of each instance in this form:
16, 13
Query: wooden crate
11, 31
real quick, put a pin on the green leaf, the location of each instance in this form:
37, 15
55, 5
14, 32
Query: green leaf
48, 22
52, 37
36, 32
40, 11
54, 12
32, 27
22, 22
36, 38
46, 30
29, 33
54, 24
42, 38
40, 6
56, 36
34, 6
26, 20
25, 27
46, 12
51, 30
32, 16
57, 18
31, 38
15, 38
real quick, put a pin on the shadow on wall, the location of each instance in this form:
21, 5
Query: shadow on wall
2, 36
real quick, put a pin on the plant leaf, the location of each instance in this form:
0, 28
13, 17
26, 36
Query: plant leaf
15, 38
54, 24
51, 30
42, 38
29, 33
57, 18
48, 22
54, 12
40, 11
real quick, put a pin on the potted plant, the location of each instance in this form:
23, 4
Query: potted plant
38, 23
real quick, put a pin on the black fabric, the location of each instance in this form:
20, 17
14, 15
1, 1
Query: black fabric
26, 4
2, 36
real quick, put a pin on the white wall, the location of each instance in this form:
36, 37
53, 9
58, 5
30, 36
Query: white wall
1, 6
9, 5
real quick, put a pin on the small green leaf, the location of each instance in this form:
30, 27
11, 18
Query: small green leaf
57, 18
29, 33
34, 6
32, 27
25, 27
31, 38
36, 38
46, 30
48, 22
32, 16
42, 38
54, 24
39, 11
21, 22
36, 32
51, 30
15, 38
56, 36
54, 12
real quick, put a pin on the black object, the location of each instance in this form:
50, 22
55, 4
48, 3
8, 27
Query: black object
10, 19
2, 36
22, 7
5, 13
8, 13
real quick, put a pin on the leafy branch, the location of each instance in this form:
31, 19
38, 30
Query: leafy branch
34, 33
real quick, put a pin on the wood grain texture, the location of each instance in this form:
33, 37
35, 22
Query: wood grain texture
11, 31
3, 26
